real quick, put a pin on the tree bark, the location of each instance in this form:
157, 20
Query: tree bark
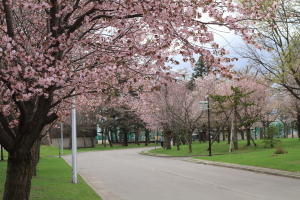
2, 154
136, 137
116, 136
147, 137
235, 130
35, 154
228, 135
18, 176
285, 130
108, 133
253, 141
102, 135
248, 136
242, 135
189, 139
298, 124
104, 138
167, 141
125, 137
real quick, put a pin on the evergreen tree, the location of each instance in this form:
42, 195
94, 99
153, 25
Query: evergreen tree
201, 69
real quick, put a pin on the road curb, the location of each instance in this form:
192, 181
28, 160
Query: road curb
145, 153
262, 170
102, 192
167, 156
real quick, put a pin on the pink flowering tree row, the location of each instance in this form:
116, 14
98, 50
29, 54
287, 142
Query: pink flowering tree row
51, 51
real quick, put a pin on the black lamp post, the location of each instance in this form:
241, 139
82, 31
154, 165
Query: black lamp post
209, 135
208, 121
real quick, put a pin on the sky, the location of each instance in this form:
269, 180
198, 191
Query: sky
231, 42
225, 38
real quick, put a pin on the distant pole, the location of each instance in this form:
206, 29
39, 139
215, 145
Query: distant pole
231, 136
74, 144
209, 135
61, 143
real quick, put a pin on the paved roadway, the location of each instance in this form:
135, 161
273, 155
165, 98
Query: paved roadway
127, 175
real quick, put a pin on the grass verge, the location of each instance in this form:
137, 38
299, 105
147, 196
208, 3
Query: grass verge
53, 180
50, 151
253, 156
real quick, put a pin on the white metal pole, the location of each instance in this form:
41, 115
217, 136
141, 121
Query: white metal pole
61, 138
74, 144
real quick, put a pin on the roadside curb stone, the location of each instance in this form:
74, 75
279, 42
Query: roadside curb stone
147, 153
262, 170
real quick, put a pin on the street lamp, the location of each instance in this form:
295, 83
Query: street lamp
208, 118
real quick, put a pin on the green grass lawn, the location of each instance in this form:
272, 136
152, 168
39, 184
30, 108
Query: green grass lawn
54, 180
49, 150
254, 156
54, 175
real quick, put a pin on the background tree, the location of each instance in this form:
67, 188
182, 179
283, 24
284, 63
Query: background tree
275, 52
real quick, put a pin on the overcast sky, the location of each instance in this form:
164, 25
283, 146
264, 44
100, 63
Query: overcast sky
225, 38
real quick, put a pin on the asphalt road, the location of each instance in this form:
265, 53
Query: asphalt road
127, 175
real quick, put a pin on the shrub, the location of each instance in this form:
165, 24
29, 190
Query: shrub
280, 150
271, 132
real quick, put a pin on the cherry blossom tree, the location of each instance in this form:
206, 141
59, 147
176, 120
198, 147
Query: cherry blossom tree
287, 109
243, 101
173, 108
255, 105
51, 51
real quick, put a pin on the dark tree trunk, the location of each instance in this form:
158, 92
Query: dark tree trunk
2, 154
183, 140
189, 140
116, 136
190, 147
167, 139
242, 135
18, 177
203, 134
147, 137
262, 131
235, 137
35, 154
104, 137
218, 136
136, 137
285, 130
228, 135
178, 146
108, 133
125, 139
102, 133
33, 118
248, 136
176, 141
199, 135
84, 141
223, 134
252, 140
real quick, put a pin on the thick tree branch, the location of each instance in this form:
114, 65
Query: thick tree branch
9, 18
